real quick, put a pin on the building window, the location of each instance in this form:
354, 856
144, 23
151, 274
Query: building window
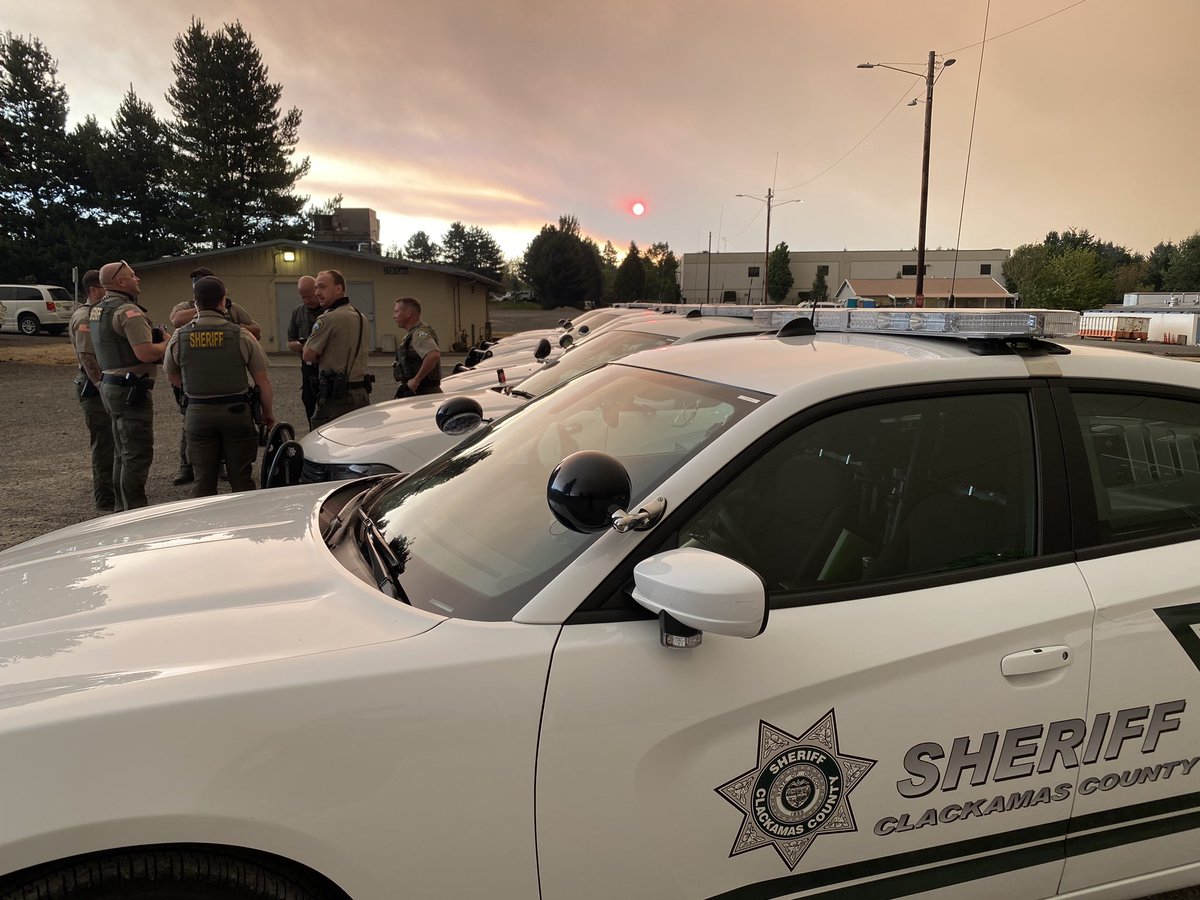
985, 268
822, 270
912, 270
752, 272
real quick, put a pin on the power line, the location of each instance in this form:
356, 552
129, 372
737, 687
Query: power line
997, 37
970, 142
1020, 27
907, 91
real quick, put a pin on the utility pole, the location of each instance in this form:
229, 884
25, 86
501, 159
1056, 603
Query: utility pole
929, 79
767, 256
708, 284
932, 72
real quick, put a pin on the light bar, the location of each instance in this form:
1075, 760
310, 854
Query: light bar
732, 310
965, 323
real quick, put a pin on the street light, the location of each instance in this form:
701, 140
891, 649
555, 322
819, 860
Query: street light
767, 260
931, 75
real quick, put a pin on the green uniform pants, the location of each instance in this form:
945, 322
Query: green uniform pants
133, 444
329, 408
216, 432
100, 434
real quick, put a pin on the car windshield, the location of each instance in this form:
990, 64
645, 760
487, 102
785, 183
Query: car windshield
601, 349
473, 531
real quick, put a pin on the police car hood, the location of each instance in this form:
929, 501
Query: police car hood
181, 589
401, 433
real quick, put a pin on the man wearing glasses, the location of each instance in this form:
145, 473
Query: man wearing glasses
128, 350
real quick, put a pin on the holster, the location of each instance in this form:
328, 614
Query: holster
88, 389
333, 385
139, 389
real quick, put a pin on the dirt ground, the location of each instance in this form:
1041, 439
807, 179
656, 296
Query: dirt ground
45, 467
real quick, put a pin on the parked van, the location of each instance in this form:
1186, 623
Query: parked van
32, 307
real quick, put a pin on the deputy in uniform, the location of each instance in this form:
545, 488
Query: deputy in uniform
181, 314
339, 346
300, 327
128, 350
209, 358
87, 390
418, 359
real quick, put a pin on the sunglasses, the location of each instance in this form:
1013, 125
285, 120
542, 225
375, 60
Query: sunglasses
123, 265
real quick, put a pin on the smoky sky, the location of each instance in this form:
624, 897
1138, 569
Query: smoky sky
509, 115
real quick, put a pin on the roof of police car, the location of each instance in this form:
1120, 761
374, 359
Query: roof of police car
676, 326
773, 365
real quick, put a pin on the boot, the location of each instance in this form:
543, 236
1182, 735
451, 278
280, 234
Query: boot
185, 476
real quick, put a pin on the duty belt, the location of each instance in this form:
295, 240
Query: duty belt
215, 401
356, 384
120, 379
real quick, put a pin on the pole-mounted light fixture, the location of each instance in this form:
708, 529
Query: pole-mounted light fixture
932, 72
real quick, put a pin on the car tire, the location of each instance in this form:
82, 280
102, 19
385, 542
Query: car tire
28, 324
165, 874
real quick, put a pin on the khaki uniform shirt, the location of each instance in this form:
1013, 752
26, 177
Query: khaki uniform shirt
237, 315
424, 341
253, 354
340, 338
132, 323
81, 333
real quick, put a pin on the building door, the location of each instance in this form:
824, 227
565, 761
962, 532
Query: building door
362, 295
286, 300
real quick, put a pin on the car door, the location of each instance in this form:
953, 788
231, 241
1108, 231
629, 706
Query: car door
1136, 484
903, 725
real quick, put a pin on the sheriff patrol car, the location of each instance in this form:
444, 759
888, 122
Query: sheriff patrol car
402, 435
904, 607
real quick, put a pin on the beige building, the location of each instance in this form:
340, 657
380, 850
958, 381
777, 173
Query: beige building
707, 277
262, 278
966, 292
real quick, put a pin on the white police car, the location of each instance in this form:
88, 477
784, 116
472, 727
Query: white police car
976, 678
402, 435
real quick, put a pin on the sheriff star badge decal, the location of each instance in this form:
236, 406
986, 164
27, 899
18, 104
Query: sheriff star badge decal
798, 790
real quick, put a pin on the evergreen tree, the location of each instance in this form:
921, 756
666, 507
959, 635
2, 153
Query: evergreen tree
421, 249
37, 221
630, 283
563, 268
820, 288
661, 268
133, 164
779, 273
235, 169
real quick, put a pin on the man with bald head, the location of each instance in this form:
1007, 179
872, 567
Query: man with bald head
300, 327
128, 349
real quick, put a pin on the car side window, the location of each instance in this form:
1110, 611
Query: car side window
879, 492
1144, 457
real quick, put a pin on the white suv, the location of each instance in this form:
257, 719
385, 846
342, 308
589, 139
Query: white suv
32, 307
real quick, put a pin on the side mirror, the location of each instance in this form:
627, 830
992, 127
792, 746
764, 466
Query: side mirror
696, 590
458, 415
566, 341
543, 349
586, 488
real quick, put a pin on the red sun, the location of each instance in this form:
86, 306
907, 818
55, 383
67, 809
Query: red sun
638, 208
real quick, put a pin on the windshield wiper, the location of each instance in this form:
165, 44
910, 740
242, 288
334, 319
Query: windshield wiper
340, 524
385, 565
524, 395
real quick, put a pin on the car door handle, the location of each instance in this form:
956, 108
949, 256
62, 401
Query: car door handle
1039, 659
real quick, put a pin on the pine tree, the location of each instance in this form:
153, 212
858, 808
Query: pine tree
779, 273
630, 283
36, 218
235, 169
133, 164
421, 249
